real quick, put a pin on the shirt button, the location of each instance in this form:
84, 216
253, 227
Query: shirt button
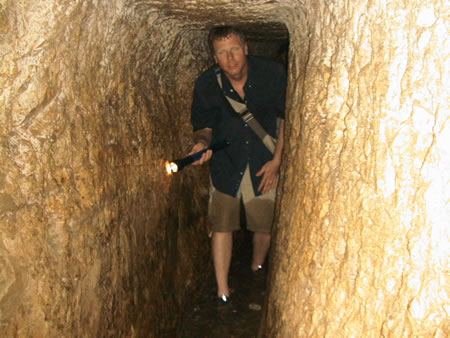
241, 173
246, 142
246, 125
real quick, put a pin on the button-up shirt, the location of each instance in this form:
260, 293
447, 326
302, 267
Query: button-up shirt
265, 95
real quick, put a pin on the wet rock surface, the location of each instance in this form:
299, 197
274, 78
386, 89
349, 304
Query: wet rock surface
207, 317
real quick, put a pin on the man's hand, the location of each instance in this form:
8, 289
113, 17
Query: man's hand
270, 176
270, 169
205, 157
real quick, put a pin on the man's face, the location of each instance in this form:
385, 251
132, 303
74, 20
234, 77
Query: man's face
231, 55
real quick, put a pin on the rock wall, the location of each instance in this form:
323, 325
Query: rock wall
95, 239
362, 243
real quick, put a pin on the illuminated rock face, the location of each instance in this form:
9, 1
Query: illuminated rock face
96, 240
363, 234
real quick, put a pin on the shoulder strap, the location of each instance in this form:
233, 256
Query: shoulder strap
242, 110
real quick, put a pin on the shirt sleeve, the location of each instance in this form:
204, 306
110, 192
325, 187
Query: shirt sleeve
203, 114
281, 99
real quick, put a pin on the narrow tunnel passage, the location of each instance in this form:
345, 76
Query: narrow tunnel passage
205, 315
95, 238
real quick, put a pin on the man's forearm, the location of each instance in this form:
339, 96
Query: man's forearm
203, 136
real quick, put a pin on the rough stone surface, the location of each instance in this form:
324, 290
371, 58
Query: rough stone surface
362, 244
95, 239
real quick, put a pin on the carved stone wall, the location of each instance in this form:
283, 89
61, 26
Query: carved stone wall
362, 245
95, 238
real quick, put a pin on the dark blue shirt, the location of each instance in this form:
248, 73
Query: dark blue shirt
265, 95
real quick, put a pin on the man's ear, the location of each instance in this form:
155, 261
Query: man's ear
246, 49
215, 59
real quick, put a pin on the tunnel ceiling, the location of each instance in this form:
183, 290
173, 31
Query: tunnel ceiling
256, 24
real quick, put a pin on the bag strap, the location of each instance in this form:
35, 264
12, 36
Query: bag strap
242, 110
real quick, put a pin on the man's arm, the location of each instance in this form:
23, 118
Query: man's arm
271, 168
202, 140
203, 136
279, 145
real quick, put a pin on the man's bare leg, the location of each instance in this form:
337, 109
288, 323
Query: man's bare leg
222, 247
261, 245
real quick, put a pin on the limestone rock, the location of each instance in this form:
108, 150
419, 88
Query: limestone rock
96, 239
361, 247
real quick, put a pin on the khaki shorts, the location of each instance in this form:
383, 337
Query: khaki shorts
224, 210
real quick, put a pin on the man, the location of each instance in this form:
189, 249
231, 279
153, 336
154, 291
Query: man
246, 169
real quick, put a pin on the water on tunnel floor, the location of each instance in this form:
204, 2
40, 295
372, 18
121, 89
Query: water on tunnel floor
206, 317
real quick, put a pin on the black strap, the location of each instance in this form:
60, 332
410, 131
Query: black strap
242, 110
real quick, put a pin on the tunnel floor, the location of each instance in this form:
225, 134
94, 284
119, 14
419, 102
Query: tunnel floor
206, 317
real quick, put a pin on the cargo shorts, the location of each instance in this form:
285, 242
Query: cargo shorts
224, 210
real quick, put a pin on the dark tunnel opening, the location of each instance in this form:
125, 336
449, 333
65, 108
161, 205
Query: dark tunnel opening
270, 40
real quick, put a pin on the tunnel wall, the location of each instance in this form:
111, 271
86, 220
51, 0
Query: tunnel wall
361, 247
95, 239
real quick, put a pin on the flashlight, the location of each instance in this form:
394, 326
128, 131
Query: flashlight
177, 165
